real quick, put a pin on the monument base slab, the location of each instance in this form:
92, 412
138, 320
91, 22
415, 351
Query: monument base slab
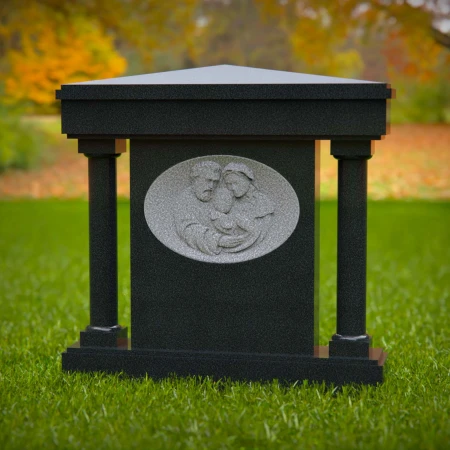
236, 366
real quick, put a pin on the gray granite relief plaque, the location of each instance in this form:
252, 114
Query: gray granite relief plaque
221, 209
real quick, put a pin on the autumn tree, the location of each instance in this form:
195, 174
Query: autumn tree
49, 42
325, 33
46, 43
236, 33
380, 40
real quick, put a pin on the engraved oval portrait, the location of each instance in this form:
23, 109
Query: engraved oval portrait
221, 209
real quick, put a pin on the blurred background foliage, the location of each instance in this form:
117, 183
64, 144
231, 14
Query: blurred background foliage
20, 142
47, 43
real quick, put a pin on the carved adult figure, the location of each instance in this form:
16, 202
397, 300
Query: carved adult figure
192, 212
252, 209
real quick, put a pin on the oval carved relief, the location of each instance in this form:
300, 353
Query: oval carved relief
221, 209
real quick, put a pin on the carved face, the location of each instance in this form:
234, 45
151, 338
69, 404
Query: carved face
205, 184
238, 183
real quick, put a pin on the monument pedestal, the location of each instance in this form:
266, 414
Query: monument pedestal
225, 222
236, 366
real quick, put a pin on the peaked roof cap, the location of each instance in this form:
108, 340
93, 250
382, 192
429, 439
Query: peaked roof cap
225, 82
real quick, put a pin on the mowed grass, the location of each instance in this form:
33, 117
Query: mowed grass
44, 304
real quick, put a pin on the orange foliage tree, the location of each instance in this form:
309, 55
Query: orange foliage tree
325, 33
49, 42
79, 52
46, 43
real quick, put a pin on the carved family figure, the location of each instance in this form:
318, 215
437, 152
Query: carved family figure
222, 210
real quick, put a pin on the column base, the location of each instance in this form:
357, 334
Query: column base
350, 346
103, 336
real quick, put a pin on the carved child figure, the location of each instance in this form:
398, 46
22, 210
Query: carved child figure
223, 219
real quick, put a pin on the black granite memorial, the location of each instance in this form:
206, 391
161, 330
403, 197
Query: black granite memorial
224, 175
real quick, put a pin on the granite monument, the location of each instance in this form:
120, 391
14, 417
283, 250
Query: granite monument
224, 177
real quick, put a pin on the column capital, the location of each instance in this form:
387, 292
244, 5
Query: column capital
102, 147
353, 149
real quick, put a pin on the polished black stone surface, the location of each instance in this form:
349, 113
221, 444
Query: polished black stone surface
236, 366
171, 118
265, 305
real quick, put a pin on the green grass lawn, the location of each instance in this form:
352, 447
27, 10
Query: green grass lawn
44, 304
